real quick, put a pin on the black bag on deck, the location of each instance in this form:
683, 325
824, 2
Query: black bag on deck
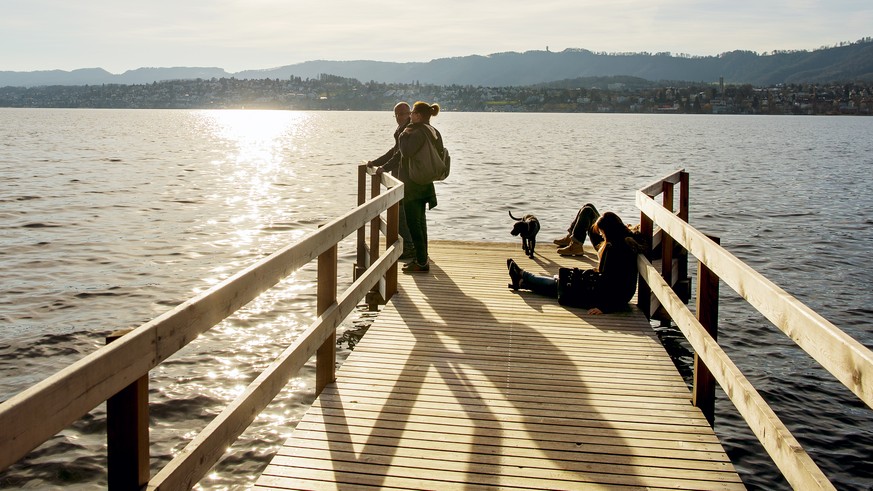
576, 286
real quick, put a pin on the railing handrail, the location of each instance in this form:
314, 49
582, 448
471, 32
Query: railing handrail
789, 456
195, 460
844, 357
657, 187
34, 415
847, 359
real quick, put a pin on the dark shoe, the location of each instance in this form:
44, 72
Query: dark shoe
514, 274
414, 267
563, 241
407, 254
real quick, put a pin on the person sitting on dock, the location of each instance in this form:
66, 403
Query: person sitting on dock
583, 225
401, 115
607, 288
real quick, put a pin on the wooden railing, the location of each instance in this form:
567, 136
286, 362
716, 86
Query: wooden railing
844, 357
116, 371
673, 260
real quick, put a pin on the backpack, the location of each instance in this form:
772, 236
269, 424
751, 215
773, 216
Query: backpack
576, 287
430, 164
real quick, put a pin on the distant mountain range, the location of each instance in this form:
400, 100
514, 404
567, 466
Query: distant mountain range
846, 63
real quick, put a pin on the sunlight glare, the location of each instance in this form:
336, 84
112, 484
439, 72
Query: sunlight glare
255, 146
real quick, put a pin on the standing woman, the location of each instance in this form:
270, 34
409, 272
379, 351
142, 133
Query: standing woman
417, 198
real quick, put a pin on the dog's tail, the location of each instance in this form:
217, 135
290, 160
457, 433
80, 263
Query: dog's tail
510, 216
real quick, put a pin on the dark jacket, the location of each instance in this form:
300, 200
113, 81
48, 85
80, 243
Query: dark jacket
610, 287
411, 141
393, 154
617, 278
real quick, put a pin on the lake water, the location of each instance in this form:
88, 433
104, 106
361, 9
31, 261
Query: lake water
109, 218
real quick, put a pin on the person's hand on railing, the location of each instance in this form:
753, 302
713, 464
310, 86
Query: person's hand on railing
372, 168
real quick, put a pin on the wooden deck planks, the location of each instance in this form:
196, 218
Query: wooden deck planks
461, 383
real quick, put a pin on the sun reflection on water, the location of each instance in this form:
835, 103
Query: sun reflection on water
264, 190
254, 157
255, 151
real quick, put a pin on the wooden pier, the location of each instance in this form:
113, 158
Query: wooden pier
462, 383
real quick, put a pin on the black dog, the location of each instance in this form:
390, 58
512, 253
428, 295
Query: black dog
527, 226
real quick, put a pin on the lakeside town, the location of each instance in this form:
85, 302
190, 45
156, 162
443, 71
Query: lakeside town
329, 92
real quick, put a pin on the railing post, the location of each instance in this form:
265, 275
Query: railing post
684, 281
374, 298
666, 240
684, 187
325, 358
644, 293
391, 236
666, 250
703, 394
127, 432
361, 261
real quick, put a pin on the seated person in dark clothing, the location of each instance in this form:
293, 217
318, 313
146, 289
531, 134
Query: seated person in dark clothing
607, 288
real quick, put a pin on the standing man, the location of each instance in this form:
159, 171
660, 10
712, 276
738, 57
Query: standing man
401, 115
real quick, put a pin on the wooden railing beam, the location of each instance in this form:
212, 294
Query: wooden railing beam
840, 354
844, 357
319, 339
656, 187
34, 415
788, 455
195, 460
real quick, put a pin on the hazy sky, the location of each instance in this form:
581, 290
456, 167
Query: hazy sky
119, 35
